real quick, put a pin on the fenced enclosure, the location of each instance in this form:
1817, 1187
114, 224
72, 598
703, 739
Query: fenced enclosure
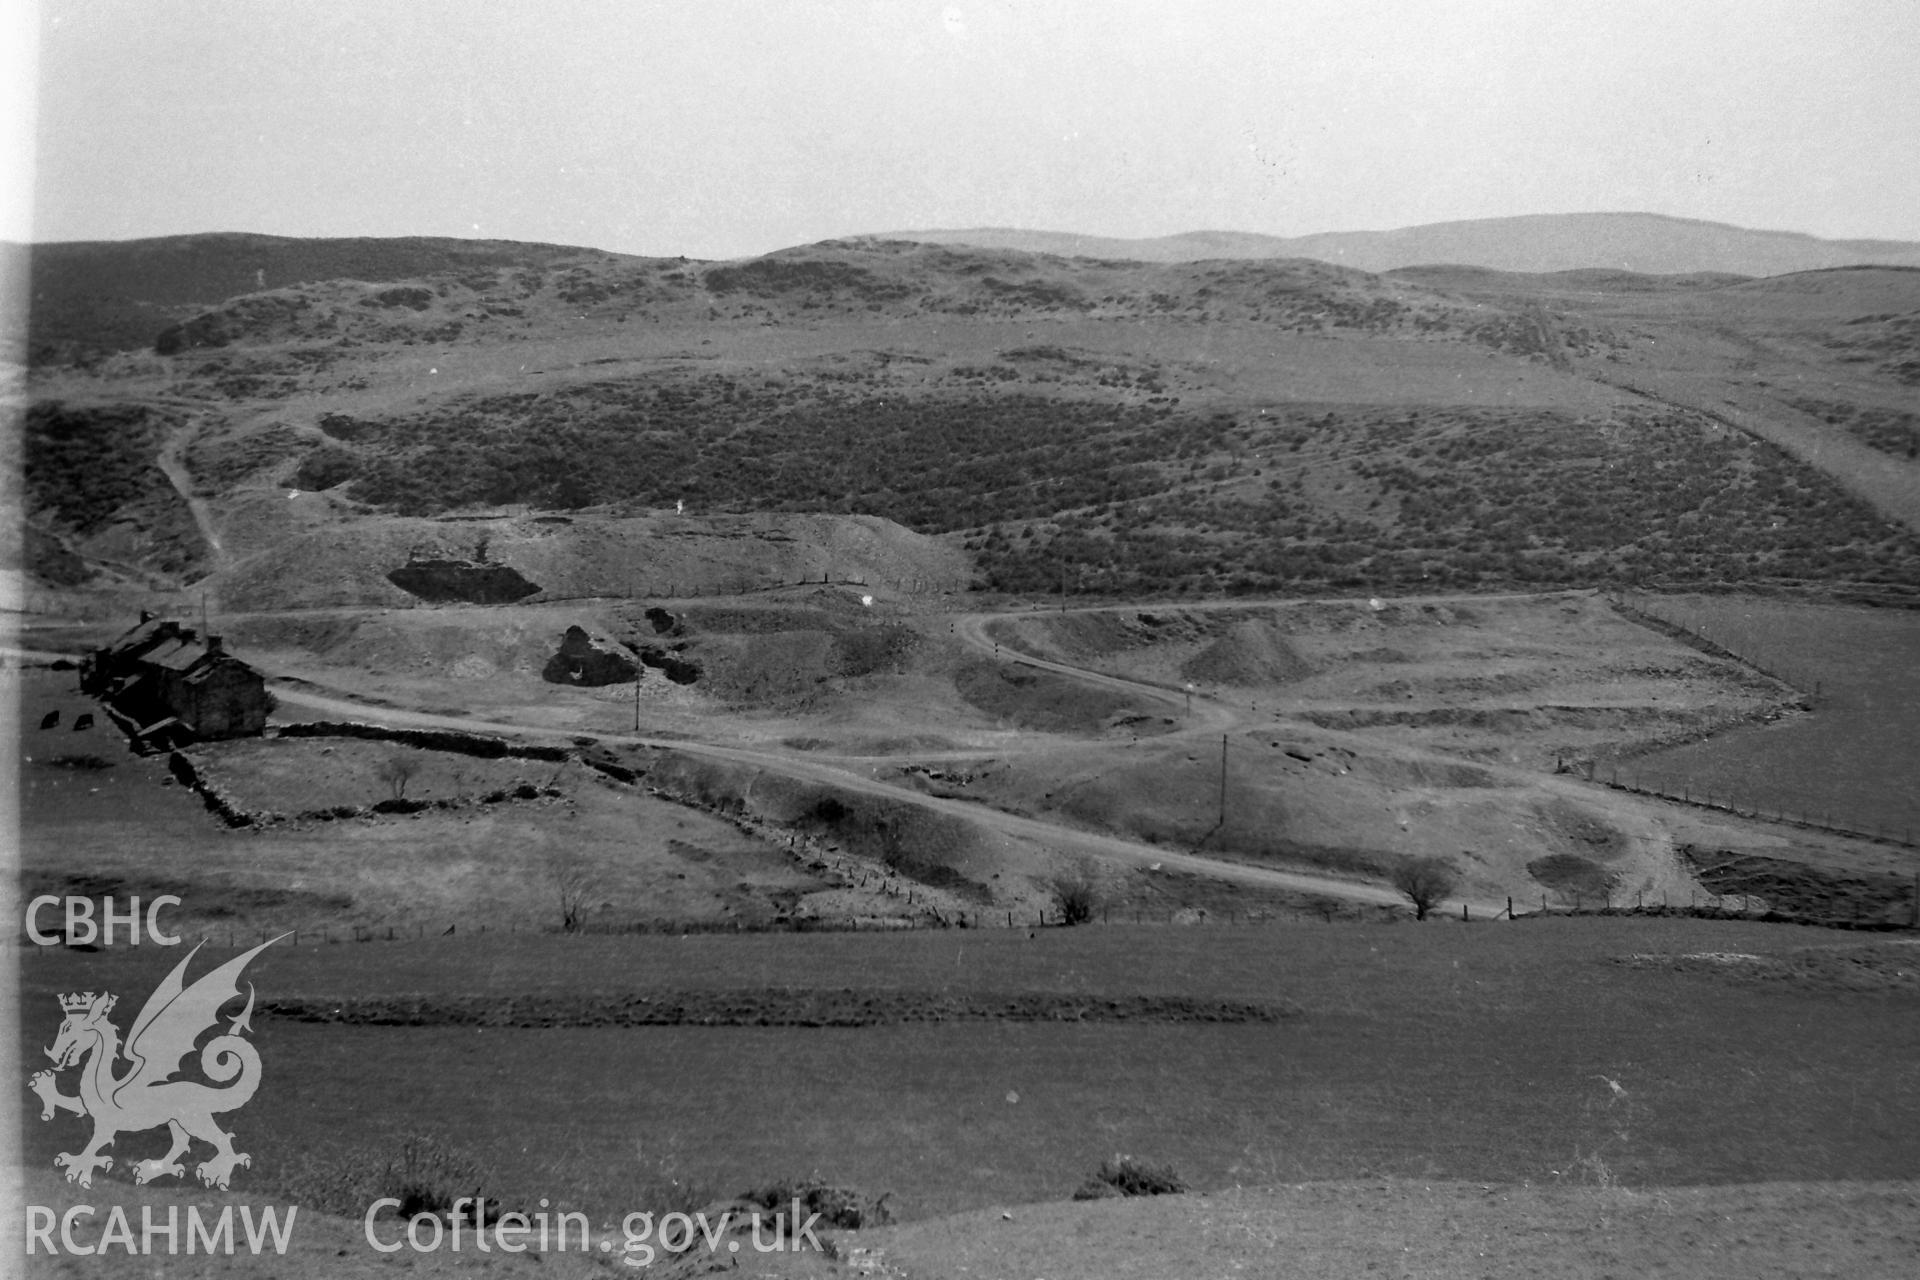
1838, 757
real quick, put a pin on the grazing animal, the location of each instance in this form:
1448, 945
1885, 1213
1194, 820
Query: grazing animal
51, 720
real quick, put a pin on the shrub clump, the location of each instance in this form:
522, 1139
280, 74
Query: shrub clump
400, 805
424, 1174
1126, 1176
840, 1207
1076, 897
325, 468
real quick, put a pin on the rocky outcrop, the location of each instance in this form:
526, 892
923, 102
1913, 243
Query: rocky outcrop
583, 661
673, 667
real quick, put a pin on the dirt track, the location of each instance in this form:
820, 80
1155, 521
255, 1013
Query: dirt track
1884, 482
1208, 716
1085, 843
168, 460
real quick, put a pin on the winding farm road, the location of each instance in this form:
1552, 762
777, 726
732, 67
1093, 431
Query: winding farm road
1888, 484
1066, 839
1204, 714
175, 470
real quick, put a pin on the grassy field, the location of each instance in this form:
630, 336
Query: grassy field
1853, 758
97, 819
1441, 1051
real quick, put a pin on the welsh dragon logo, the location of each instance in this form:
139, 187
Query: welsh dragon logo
145, 1096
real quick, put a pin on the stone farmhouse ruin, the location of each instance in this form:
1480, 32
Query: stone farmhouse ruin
166, 682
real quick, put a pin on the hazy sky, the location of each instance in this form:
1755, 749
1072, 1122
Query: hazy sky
716, 128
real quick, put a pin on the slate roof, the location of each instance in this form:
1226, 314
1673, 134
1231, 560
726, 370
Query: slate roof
143, 637
178, 655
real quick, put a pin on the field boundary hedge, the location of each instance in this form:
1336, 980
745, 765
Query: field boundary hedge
773, 1007
467, 744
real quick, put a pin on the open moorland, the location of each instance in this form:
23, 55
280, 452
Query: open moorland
1074, 424
701, 693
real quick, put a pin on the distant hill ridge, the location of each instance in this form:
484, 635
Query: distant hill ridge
1643, 243
87, 297
116, 294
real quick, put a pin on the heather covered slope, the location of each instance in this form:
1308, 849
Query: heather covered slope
87, 298
1094, 426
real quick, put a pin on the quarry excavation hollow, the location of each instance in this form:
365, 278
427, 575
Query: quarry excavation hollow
447, 581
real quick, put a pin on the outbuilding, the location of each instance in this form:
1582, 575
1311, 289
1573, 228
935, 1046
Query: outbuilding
169, 681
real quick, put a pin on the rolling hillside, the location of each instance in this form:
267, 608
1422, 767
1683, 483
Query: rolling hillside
1097, 426
86, 297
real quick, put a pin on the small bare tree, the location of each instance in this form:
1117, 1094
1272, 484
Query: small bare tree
1076, 895
575, 882
397, 771
1426, 882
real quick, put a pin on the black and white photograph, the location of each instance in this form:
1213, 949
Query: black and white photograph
960, 639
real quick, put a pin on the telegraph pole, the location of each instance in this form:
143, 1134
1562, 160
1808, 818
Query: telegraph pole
636, 697
1223, 779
